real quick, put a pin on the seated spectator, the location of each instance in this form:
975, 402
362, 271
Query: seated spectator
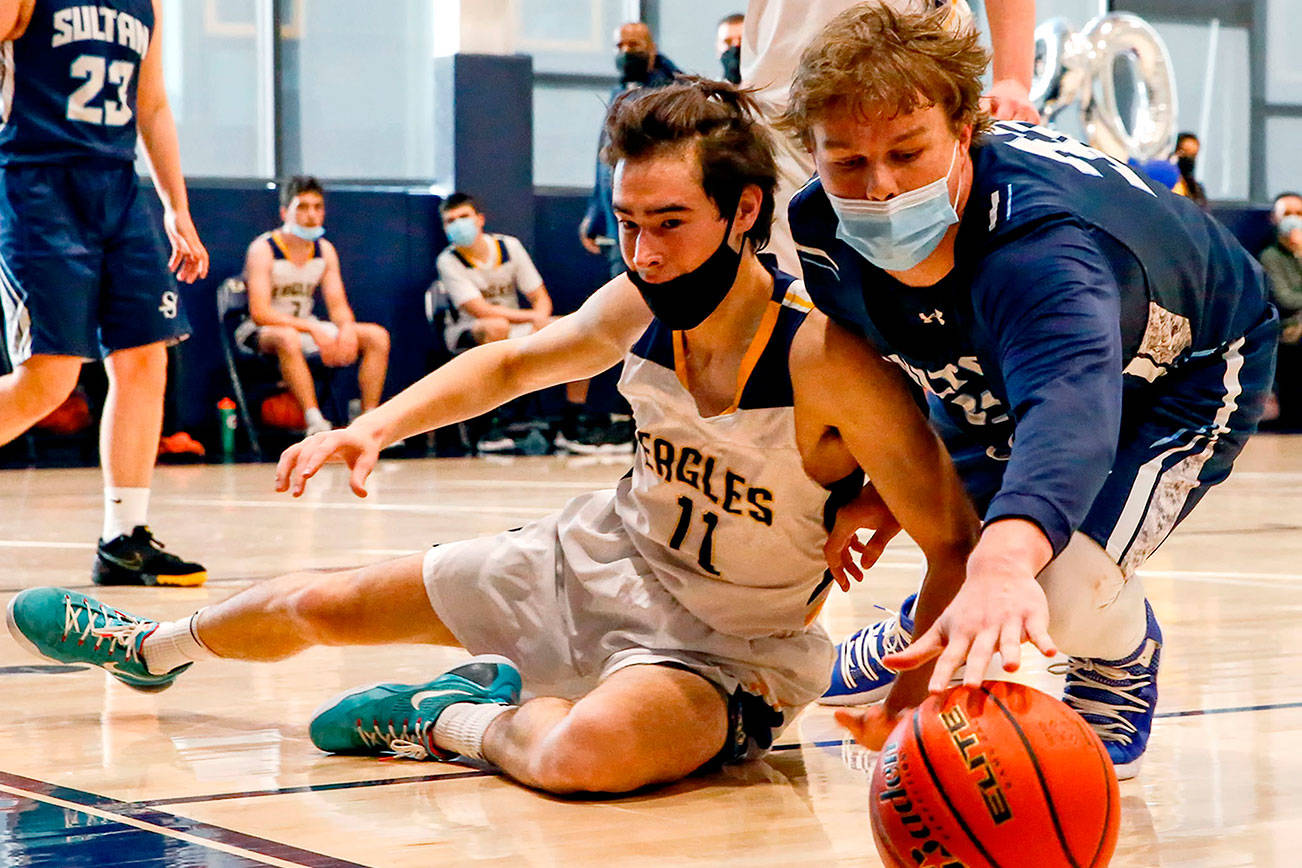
283, 270
1282, 260
487, 276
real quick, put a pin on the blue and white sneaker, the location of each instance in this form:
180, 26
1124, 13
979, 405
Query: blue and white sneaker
69, 627
860, 677
1118, 698
399, 719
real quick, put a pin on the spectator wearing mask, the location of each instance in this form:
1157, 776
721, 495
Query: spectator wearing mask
284, 269
727, 43
639, 65
1282, 260
1185, 159
487, 276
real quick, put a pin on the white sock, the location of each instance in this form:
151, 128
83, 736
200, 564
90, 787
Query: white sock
313, 416
173, 644
461, 726
124, 509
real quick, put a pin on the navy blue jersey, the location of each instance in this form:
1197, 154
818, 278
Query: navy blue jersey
69, 82
1078, 286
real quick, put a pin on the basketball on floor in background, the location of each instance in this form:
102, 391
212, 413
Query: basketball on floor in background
70, 417
282, 410
997, 775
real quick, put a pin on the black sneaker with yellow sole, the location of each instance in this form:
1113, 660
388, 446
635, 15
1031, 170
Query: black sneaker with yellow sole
138, 559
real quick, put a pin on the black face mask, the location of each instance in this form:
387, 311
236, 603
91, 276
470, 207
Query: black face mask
633, 66
1186, 164
688, 300
731, 60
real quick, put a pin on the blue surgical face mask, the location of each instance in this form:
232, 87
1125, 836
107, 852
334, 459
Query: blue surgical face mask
307, 233
462, 231
1288, 224
899, 233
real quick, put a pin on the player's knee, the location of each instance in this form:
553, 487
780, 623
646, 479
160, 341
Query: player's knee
43, 386
281, 340
324, 609
377, 340
590, 753
138, 367
492, 329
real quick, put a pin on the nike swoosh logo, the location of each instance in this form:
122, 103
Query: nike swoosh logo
132, 563
420, 696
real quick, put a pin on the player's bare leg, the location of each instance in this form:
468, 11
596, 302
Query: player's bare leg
380, 604
643, 725
32, 390
284, 341
133, 415
373, 341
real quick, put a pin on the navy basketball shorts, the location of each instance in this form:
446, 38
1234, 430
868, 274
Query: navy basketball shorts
1177, 441
83, 265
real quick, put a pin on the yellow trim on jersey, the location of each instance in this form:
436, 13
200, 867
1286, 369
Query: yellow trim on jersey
748, 361
280, 242
798, 302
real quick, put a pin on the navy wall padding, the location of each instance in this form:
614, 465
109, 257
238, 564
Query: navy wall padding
387, 240
490, 137
1249, 223
570, 272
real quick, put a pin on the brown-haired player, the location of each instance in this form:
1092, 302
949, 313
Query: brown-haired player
283, 269
1095, 349
661, 625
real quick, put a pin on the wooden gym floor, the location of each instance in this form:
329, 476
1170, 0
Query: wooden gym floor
218, 770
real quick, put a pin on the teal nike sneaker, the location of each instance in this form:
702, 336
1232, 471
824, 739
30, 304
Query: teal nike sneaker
68, 627
399, 719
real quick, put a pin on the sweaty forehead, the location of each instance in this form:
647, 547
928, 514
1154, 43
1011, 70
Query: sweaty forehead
671, 178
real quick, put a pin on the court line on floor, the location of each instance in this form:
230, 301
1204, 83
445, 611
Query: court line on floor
136, 815
369, 506
315, 788
481, 773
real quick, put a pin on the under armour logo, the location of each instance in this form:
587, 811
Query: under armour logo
170, 304
935, 316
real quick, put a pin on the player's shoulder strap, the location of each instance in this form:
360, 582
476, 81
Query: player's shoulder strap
503, 253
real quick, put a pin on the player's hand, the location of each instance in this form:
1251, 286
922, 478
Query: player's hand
1009, 100
346, 344
994, 610
871, 726
327, 344
588, 242
299, 463
869, 511
189, 259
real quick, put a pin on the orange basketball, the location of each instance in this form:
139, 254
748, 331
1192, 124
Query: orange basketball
1000, 775
282, 410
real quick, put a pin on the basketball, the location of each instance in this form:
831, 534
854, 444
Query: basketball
282, 410
998, 775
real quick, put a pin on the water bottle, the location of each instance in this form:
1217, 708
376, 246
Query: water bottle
227, 419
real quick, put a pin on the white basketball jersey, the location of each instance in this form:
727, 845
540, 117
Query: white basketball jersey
293, 287
720, 507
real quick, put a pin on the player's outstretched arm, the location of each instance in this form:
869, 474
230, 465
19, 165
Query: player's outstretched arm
163, 154
573, 347
843, 386
1012, 39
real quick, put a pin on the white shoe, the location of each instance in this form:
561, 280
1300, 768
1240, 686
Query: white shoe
318, 428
